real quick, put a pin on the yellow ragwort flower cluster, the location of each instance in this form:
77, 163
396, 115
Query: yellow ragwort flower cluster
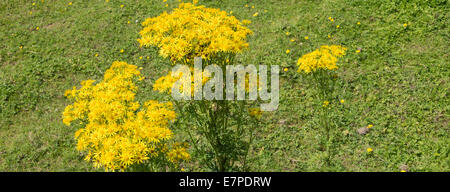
194, 31
164, 84
325, 58
115, 133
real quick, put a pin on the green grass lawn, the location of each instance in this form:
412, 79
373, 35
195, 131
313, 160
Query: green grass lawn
399, 81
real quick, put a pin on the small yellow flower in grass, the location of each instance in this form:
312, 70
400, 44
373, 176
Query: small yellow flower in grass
121, 51
231, 12
31, 12
140, 68
337, 26
306, 37
167, 5
37, 28
140, 57
70, 3
148, 57
164, 1
342, 101
325, 103
331, 19
20, 47
369, 126
33, 4
359, 23
129, 22
288, 51
253, 6
292, 40
287, 33
358, 51
107, 1
265, 11
403, 171
121, 6
182, 169
96, 55
405, 25
285, 69
369, 150
256, 14
329, 36
245, 5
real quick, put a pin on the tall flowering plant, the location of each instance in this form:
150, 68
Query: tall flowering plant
319, 67
218, 129
115, 131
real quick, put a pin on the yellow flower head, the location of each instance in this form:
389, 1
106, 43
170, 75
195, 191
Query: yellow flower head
288, 51
191, 31
369, 150
117, 131
255, 112
324, 58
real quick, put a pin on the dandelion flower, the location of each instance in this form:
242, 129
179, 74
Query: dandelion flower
337, 26
292, 40
96, 55
121, 51
70, 3
256, 14
245, 5
342, 101
369, 150
369, 126
285, 69
253, 6
359, 23
288, 51
287, 33
358, 51
405, 25
140, 57
306, 37
37, 28
325, 103
121, 6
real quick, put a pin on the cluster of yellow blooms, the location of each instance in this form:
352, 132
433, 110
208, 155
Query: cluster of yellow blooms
115, 133
325, 58
194, 31
164, 84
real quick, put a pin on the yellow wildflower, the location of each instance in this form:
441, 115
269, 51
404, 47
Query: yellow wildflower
325, 57
191, 31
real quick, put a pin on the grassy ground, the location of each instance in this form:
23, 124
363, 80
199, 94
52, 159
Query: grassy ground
399, 81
